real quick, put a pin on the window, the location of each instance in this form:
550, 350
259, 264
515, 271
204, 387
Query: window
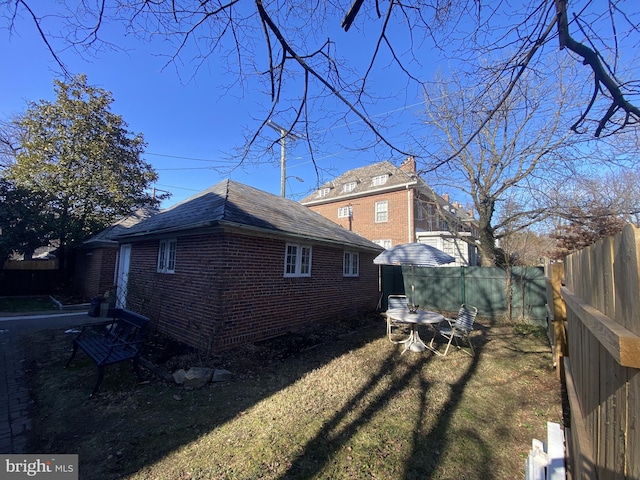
297, 261
323, 192
167, 256
380, 180
420, 208
382, 212
351, 265
349, 187
384, 243
344, 212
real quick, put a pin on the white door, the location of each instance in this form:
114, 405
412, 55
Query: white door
122, 276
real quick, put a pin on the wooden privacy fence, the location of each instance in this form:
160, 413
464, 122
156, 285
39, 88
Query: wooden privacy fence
602, 372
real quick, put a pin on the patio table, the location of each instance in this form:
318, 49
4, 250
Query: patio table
420, 317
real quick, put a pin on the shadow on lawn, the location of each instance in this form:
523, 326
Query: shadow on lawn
126, 429
423, 461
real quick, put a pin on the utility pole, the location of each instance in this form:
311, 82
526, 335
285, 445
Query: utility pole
283, 160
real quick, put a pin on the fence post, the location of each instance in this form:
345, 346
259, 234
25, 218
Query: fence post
557, 313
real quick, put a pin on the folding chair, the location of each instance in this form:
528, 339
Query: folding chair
396, 302
457, 330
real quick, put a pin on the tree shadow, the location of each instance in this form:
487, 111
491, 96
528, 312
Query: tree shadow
395, 374
421, 464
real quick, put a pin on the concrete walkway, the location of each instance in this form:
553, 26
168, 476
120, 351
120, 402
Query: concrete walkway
15, 403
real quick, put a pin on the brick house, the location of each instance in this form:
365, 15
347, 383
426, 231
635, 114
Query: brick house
97, 257
234, 265
392, 205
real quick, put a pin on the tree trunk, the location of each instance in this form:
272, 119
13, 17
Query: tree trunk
486, 235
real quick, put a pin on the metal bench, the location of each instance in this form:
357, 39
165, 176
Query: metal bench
113, 341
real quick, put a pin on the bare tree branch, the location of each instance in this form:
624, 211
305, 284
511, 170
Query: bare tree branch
602, 78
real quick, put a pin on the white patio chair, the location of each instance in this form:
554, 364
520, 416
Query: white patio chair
457, 330
397, 302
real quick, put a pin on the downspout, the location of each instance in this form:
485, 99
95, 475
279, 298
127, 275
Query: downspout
410, 228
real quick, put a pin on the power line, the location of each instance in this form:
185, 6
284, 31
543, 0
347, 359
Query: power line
179, 188
227, 162
185, 168
186, 158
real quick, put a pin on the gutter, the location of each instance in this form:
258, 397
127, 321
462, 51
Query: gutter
239, 226
280, 233
164, 231
360, 194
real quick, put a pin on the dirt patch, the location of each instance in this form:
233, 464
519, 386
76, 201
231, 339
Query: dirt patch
170, 355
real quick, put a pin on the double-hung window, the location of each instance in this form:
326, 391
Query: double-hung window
297, 260
323, 192
349, 187
351, 264
344, 212
382, 212
167, 256
386, 243
379, 180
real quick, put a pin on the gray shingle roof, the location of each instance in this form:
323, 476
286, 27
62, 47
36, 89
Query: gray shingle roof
109, 234
363, 178
234, 204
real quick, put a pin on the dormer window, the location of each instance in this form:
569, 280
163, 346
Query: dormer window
349, 187
380, 180
323, 192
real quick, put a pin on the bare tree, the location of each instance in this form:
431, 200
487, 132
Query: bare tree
302, 61
527, 247
495, 170
587, 209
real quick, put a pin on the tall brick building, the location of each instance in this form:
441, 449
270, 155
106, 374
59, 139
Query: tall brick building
392, 205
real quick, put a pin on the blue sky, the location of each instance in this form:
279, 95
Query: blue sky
191, 124
194, 123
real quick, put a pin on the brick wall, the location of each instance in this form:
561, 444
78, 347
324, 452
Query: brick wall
94, 271
363, 217
229, 289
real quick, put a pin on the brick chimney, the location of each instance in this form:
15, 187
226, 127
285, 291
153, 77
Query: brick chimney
445, 196
409, 165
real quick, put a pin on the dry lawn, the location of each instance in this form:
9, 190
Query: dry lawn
341, 404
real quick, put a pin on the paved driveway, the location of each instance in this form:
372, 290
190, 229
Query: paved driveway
14, 394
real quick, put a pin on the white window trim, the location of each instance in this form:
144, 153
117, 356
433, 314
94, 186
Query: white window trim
164, 256
298, 260
351, 267
323, 192
345, 212
379, 180
384, 243
386, 210
349, 187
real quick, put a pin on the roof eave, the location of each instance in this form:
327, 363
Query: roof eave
166, 231
366, 193
260, 230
